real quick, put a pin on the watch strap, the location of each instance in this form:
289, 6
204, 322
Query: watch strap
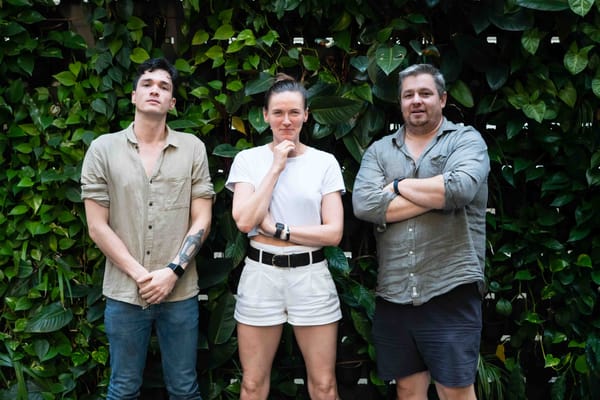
395, 185
279, 227
178, 269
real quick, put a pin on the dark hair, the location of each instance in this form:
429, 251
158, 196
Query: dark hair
419, 69
285, 83
153, 64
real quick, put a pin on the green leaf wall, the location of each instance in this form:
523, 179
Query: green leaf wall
525, 73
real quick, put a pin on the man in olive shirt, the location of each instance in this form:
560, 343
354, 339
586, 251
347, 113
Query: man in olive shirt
148, 199
425, 189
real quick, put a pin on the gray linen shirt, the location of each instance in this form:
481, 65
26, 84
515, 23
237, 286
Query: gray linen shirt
430, 254
151, 215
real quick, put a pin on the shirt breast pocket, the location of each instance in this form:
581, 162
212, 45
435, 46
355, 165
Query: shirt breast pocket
436, 165
174, 193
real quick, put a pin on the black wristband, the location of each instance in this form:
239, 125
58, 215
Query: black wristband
396, 181
178, 269
278, 229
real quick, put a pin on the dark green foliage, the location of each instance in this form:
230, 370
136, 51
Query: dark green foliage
524, 73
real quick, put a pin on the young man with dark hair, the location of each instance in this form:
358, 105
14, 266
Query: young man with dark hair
148, 200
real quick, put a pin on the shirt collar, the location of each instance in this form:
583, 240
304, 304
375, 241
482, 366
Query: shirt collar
398, 138
172, 139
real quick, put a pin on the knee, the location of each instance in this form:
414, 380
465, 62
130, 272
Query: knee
456, 393
253, 389
324, 388
411, 390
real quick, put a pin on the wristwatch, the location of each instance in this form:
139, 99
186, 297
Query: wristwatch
177, 269
279, 227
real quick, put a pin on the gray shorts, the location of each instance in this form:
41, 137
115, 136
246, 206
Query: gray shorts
441, 336
269, 295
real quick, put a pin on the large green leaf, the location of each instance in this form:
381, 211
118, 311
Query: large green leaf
334, 109
576, 60
337, 260
461, 93
50, 318
535, 111
544, 5
222, 324
389, 58
530, 40
518, 21
259, 85
497, 76
581, 7
257, 119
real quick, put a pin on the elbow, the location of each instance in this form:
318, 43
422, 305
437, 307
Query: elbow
94, 232
242, 224
336, 239
244, 228
360, 213
358, 210
366, 214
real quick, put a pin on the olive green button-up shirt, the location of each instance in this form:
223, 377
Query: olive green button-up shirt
430, 254
151, 215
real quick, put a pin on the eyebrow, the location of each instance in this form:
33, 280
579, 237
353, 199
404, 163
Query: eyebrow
162, 82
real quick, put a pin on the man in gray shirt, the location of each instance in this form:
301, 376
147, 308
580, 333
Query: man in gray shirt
425, 190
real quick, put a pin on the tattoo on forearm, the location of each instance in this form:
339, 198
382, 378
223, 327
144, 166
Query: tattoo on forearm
190, 247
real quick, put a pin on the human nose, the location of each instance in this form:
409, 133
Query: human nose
154, 90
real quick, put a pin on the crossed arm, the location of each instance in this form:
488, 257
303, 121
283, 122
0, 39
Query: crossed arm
417, 196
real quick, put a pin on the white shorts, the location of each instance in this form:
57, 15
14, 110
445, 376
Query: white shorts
303, 296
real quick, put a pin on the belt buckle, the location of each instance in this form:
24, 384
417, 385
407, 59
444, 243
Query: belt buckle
281, 260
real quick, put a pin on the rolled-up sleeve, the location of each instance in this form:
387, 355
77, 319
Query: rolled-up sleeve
369, 202
93, 180
202, 186
466, 170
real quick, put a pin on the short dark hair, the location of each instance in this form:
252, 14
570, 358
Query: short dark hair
152, 64
418, 69
285, 83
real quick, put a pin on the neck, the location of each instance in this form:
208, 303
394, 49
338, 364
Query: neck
422, 133
150, 131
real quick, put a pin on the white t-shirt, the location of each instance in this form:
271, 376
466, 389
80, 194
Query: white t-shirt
297, 195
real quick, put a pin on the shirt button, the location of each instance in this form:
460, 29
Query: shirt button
149, 226
147, 251
411, 274
150, 204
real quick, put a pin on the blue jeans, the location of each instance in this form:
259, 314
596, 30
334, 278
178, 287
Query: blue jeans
129, 328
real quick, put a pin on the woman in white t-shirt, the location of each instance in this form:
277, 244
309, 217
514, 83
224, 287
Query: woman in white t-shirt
287, 198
